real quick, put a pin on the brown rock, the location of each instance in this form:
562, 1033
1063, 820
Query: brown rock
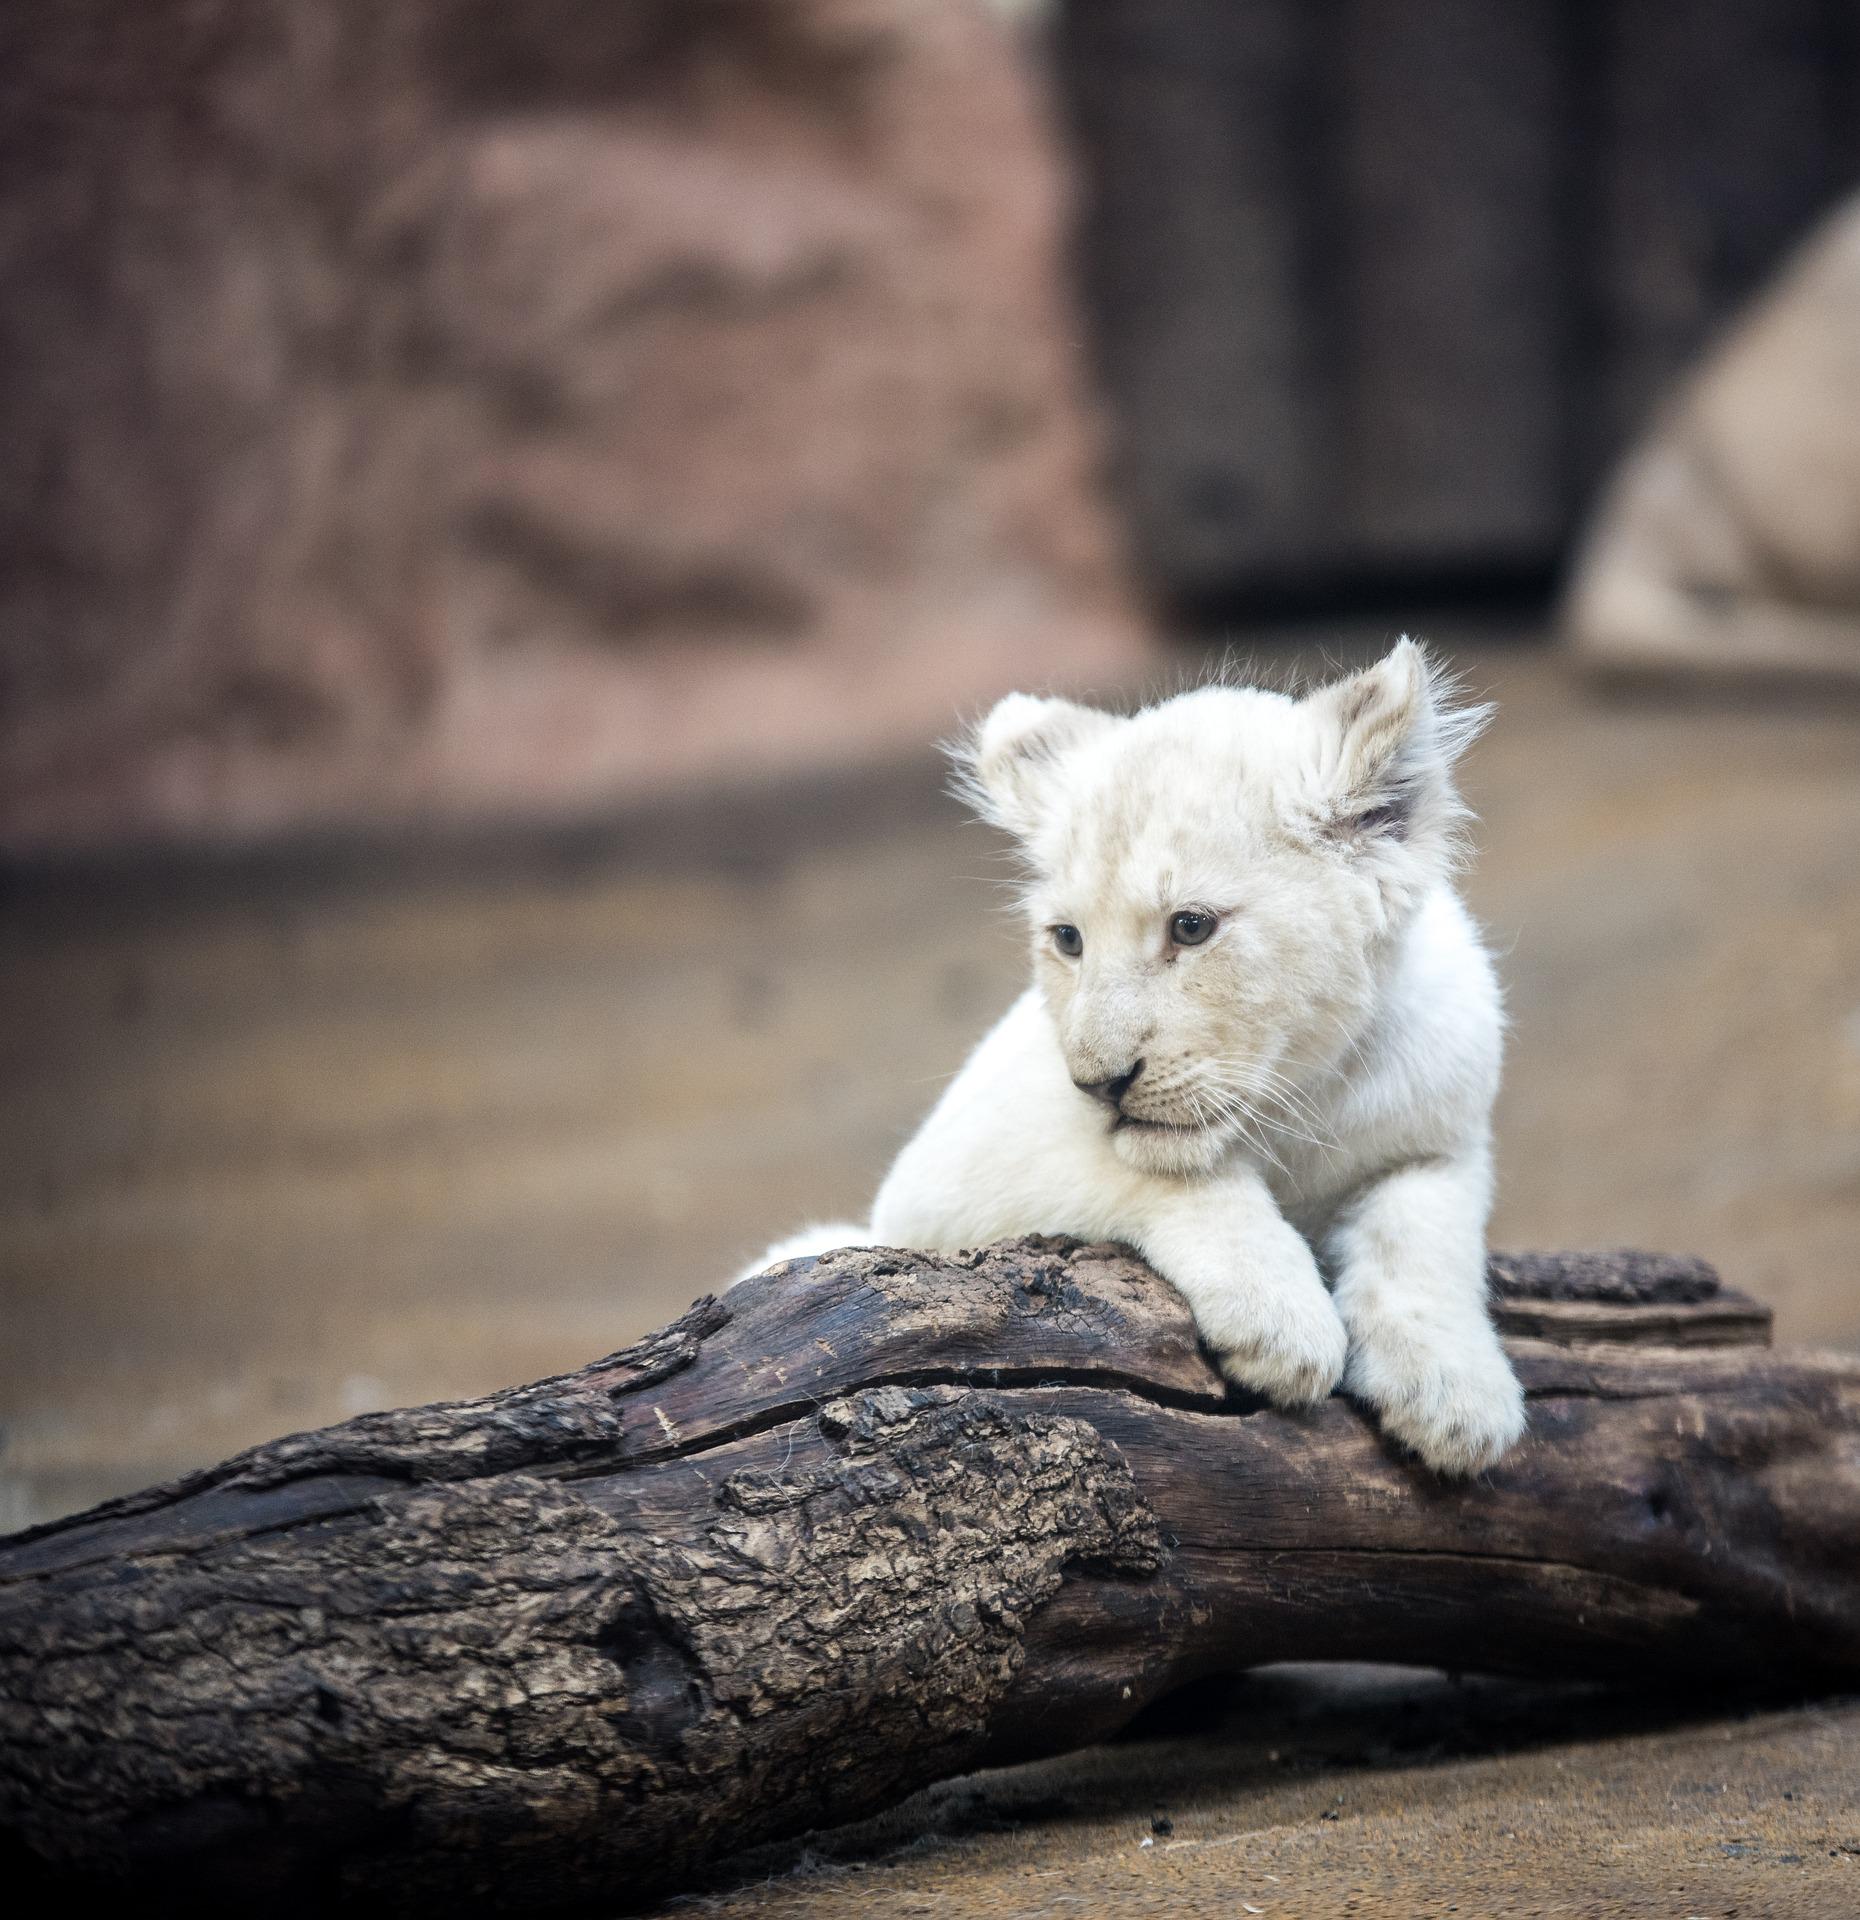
455, 410
1730, 541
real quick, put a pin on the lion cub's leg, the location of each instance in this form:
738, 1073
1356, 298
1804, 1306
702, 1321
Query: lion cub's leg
1410, 1270
825, 1238
1251, 1282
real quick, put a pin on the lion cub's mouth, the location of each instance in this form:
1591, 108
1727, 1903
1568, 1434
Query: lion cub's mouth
1133, 1121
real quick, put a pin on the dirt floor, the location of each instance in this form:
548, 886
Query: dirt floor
1312, 1793
278, 1146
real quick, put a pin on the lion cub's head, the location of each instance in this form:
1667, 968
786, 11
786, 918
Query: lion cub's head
1215, 882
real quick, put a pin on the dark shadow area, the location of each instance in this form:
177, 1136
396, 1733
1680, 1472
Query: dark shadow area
1504, 595
1377, 295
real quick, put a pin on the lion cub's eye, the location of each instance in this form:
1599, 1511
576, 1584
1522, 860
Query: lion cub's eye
1190, 929
1068, 940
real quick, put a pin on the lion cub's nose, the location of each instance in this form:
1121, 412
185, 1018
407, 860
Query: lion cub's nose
1112, 1091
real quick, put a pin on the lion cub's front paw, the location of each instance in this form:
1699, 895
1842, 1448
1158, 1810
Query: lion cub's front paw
1449, 1394
1278, 1333
1295, 1359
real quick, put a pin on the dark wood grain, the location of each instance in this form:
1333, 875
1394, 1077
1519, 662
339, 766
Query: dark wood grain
864, 1522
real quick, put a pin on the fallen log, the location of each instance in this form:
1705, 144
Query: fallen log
865, 1522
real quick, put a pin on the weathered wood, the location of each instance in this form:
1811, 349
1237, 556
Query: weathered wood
865, 1522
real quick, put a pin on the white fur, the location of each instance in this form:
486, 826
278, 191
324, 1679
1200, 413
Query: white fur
1318, 1074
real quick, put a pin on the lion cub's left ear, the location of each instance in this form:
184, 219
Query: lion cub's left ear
1387, 739
1008, 767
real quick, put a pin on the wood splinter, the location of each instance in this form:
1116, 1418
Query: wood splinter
863, 1523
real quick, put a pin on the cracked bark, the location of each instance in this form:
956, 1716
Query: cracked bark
866, 1522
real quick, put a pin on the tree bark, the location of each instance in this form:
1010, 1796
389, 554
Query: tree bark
860, 1524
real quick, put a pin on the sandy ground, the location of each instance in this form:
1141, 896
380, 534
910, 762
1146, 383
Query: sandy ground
279, 1146
1311, 1793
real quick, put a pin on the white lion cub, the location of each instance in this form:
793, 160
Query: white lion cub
1261, 1045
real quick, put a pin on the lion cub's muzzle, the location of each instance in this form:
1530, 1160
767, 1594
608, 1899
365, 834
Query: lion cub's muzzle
1112, 1091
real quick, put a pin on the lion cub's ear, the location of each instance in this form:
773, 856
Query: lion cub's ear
1007, 768
1387, 741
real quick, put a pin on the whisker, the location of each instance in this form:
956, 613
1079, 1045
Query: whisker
1249, 1095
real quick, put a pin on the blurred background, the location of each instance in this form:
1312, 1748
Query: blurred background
498, 503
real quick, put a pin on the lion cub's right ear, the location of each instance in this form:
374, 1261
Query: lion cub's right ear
1006, 768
